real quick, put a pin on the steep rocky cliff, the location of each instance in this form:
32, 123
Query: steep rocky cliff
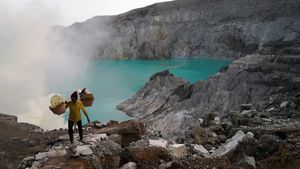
181, 28
269, 82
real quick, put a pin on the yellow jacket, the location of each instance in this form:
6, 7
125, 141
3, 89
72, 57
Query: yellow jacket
75, 115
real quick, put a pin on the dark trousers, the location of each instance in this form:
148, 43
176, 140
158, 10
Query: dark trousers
70, 128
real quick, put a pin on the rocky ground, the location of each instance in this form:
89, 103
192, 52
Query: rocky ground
28, 146
248, 139
19, 140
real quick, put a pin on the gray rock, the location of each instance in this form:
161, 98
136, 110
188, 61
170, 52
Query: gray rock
250, 161
117, 138
266, 120
211, 119
249, 135
201, 150
212, 134
107, 147
245, 107
216, 120
229, 145
177, 150
284, 104
83, 150
130, 165
246, 146
247, 162
248, 113
140, 143
201, 121
153, 134
165, 165
222, 138
51, 153
271, 109
291, 37
158, 143
26, 162
211, 151
266, 146
95, 139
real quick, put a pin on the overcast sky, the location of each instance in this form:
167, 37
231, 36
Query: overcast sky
69, 11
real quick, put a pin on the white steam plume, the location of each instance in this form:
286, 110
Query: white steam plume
26, 64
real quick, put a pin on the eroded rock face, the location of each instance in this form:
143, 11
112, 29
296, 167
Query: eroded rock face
256, 79
161, 93
185, 28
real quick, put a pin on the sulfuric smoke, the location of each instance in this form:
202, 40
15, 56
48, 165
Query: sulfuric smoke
28, 64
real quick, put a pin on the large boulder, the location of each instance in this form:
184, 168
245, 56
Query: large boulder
158, 143
266, 146
230, 144
147, 157
178, 150
83, 150
199, 149
129, 131
204, 136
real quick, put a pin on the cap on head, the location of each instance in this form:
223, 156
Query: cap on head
74, 95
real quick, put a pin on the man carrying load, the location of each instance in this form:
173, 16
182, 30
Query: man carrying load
75, 117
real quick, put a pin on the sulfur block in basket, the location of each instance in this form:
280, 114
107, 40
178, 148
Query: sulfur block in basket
58, 105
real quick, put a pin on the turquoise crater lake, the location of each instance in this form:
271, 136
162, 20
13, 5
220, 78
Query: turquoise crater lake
113, 81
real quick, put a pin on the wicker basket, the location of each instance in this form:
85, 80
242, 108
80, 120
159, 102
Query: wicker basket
59, 110
87, 99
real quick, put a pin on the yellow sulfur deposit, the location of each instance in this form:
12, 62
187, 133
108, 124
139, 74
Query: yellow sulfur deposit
56, 100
